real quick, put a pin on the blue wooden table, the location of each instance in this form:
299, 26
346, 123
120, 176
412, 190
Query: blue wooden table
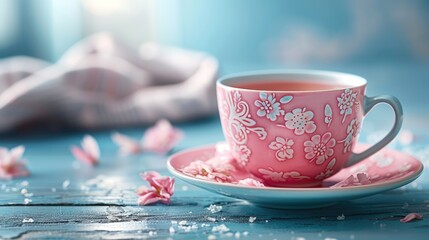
64, 200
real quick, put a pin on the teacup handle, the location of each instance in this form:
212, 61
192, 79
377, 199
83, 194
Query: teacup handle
369, 103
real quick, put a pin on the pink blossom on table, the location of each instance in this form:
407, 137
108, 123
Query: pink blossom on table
126, 144
89, 152
161, 189
411, 216
161, 138
358, 180
251, 182
12, 164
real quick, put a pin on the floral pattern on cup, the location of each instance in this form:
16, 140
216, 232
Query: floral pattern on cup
239, 119
328, 171
328, 115
271, 175
283, 147
319, 148
352, 132
268, 106
346, 102
243, 153
300, 121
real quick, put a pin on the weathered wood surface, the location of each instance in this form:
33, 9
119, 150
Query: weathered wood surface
100, 202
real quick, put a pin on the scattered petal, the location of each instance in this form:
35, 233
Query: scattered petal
341, 217
358, 180
162, 188
251, 182
215, 169
411, 216
89, 152
252, 219
11, 163
126, 144
161, 138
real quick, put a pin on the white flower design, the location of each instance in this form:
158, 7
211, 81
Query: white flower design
300, 121
328, 171
241, 154
268, 106
294, 175
274, 176
328, 114
319, 148
237, 116
283, 147
352, 132
345, 102
239, 124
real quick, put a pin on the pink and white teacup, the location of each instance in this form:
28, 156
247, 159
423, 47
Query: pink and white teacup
296, 128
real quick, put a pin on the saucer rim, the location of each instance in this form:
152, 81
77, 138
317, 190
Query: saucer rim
408, 177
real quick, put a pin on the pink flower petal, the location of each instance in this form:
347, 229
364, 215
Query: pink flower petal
162, 137
17, 152
90, 146
89, 153
162, 188
126, 144
148, 198
216, 169
363, 179
251, 182
82, 156
11, 164
148, 176
411, 216
358, 180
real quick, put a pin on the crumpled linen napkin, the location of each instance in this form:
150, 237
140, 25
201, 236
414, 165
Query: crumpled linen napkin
100, 83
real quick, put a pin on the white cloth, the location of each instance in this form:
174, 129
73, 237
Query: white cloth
101, 83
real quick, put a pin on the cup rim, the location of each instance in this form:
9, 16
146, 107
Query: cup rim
346, 79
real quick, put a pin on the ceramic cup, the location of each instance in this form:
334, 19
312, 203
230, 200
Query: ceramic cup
295, 128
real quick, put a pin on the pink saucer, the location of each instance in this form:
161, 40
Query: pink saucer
386, 170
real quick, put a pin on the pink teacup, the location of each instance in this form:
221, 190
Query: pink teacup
296, 128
